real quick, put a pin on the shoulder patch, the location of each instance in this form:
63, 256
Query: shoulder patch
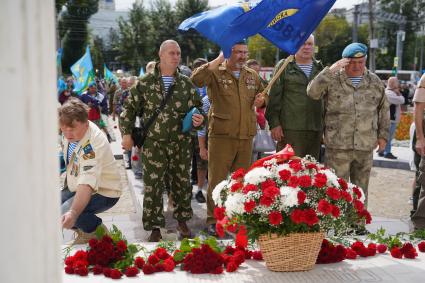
88, 151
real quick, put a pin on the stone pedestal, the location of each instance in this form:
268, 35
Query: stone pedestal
29, 201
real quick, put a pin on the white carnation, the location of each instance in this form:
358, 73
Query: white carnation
289, 196
332, 178
234, 204
216, 193
257, 175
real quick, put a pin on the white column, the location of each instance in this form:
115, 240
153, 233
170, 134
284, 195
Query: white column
29, 195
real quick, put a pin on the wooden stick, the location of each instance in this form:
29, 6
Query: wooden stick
289, 59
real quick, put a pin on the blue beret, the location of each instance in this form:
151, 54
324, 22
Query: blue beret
354, 50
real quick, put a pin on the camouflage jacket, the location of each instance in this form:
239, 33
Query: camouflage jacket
146, 96
355, 117
289, 106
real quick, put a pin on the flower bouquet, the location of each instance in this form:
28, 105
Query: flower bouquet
285, 200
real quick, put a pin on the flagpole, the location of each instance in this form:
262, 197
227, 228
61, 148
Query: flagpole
288, 60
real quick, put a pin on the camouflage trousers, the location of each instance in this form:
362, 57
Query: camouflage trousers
351, 165
166, 162
418, 218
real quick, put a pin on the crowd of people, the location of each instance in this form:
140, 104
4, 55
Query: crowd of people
343, 108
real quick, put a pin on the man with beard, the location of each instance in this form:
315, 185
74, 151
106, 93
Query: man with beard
233, 90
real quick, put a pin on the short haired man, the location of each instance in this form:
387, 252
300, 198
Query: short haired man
92, 183
356, 114
167, 150
295, 118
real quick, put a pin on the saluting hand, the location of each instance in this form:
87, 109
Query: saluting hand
340, 64
197, 120
259, 100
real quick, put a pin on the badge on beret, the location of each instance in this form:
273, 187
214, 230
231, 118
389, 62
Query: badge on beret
354, 50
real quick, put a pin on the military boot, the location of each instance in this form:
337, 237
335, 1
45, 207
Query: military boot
155, 235
183, 230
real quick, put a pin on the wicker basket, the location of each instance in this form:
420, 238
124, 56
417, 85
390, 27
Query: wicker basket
293, 252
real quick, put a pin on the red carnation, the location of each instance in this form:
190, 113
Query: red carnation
268, 183
358, 205
249, 188
335, 211
249, 206
236, 187
381, 248
351, 254
107, 272
231, 266
347, 196
69, 261
219, 229
301, 196
271, 192
121, 246
217, 270
311, 166
411, 253
232, 228
343, 184
162, 253
131, 271
304, 181
310, 217
153, 259
148, 269
169, 264
297, 216
241, 240
285, 174
366, 215
357, 192
135, 158
238, 174
275, 218
257, 255
82, 271
324, 207
320, 180
333, 193
97, 269
69, 269
295, 165
396, 252
266, 201
293, 181
219, 213
139, 262
421, 247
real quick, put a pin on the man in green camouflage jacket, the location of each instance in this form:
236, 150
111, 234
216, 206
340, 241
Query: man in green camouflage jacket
166, 151
356, 115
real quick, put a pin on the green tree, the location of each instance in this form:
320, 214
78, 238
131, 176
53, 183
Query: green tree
262, 50
133, 47
163, 25
73, 28
192, 44
331, 37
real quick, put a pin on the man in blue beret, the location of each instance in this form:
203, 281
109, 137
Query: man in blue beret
357, 115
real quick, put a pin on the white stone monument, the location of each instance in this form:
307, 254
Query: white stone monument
29, 202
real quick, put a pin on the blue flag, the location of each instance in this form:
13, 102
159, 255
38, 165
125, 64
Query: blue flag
108, 75
83, 72
142, 72
61, 85
285, 23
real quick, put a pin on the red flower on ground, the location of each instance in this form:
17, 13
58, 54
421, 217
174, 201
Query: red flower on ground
139, 262
275, 218
131, 271
351, 254
121, 246
153, 259
257, 255
148, 269
169, 264
381, 248
421, 247
396, 252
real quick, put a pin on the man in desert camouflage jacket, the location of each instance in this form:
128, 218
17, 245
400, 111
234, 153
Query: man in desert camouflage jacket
166, 149
356, 114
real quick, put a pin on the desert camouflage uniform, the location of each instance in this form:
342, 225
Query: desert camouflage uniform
166, 150
355, 117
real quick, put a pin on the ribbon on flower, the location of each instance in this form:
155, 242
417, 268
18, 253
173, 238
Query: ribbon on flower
285, 154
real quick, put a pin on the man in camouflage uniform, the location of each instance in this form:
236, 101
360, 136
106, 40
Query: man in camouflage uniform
356, 114
233, 90
166, 150
418, 217
294, 118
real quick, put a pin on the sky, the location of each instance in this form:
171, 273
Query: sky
126, 4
